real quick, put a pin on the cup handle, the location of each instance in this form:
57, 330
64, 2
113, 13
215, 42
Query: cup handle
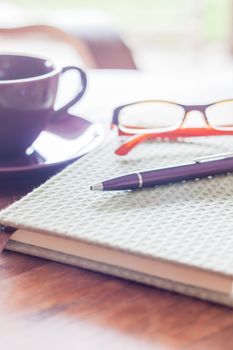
77, 96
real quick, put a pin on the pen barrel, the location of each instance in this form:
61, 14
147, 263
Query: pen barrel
160, 176
186, 172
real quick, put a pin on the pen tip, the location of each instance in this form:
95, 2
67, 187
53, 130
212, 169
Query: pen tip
97, 187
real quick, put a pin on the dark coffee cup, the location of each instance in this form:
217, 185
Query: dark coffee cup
28, 90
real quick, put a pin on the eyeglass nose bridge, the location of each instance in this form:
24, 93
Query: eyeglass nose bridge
193, 108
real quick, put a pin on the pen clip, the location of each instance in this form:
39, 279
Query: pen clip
213, 157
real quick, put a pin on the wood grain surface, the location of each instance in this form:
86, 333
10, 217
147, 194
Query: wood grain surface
52, 306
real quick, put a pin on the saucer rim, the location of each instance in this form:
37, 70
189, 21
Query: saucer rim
37, 167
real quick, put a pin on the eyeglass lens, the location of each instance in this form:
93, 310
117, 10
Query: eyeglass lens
220, 115
159, 115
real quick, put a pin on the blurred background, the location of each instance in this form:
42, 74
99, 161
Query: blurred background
155, 30
183, 45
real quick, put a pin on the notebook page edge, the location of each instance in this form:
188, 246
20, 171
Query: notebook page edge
170, 270
168, 285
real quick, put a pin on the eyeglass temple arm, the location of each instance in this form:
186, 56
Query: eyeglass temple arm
133, 142
184, 132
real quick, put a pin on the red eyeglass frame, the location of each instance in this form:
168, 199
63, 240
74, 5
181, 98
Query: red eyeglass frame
171, 133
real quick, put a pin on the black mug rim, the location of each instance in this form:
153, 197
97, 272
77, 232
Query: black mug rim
54, 71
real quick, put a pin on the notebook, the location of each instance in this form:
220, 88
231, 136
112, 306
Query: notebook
176, 236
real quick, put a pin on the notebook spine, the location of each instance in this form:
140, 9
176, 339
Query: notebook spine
5, 234
7, 229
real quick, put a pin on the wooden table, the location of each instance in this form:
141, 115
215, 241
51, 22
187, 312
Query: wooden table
52, 306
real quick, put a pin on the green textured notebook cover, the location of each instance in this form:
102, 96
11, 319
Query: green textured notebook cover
189, 224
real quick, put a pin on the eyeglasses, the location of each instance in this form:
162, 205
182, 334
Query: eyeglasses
146, 120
